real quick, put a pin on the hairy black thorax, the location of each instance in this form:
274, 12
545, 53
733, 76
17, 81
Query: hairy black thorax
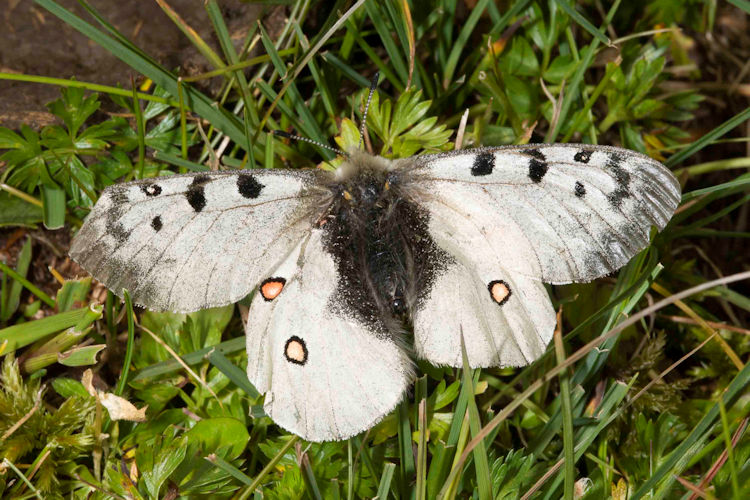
378, 236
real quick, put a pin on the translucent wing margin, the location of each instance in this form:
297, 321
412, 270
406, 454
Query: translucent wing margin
187, 242
557, 213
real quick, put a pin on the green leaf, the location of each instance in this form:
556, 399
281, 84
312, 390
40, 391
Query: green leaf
67, 388
520, 60
560, 69
73, 108
80, 356
162, 464
214, 434
73, 294
26, 333
13, 297
53, 206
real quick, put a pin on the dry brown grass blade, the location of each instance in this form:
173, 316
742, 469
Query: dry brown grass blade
687, 310
697, 492
300, 66
461, 130
722, 458
412, 45
712, 324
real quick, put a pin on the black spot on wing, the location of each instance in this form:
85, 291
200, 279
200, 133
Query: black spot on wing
156, 223
118, 232
535, 153
151, 189
537, 169
622, 179
119, 195
580, 189
248, 186
195, 194
200, 180
483, 164
196, 198
583, 156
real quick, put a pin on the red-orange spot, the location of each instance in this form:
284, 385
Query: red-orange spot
271, 288
499, 291
295, 350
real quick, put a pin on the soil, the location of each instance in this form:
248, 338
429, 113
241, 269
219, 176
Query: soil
35, 42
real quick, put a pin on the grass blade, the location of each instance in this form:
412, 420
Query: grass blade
195, 357
481, 462
229, 469
583, 22
197, 101
385, 480
24, 334
122, 382
567, 414
704, 141
233, 373
671, 466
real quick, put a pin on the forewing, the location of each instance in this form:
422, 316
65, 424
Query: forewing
559, 213
187, 242
326, 374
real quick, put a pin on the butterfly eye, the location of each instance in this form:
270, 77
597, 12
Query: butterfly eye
295, 350
398, 306
271, 288
499, 291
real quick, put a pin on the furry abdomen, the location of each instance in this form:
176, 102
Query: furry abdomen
374, 231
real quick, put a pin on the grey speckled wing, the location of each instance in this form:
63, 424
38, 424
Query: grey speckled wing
187, 242
558, 213
514, 217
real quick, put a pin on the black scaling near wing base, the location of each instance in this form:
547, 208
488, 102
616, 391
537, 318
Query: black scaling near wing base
385, 257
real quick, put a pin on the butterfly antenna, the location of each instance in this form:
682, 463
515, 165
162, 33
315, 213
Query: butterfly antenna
373, 86
287, 135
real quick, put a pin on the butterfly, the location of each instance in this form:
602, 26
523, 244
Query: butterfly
356, 272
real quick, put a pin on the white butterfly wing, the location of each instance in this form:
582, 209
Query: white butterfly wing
327, 375
559, 213
187, 242
506, 318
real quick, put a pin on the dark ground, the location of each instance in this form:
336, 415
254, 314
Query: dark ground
35, 42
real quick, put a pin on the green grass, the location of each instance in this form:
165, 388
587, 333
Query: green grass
643, 394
